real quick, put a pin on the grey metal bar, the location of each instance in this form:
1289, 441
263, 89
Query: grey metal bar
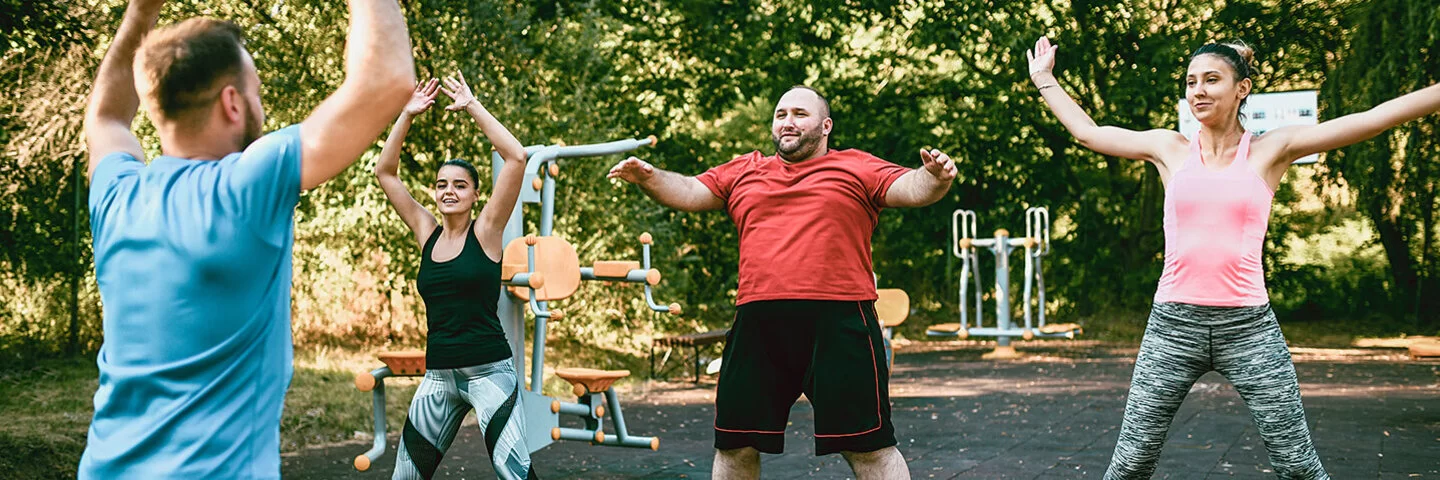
1001, 332
377, 395
633, 276
1002, 284
577, 409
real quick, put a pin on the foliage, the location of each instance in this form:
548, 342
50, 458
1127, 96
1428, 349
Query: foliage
1394, 48
703, 77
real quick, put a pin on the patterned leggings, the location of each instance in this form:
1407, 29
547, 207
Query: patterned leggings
1183, 342
441, 402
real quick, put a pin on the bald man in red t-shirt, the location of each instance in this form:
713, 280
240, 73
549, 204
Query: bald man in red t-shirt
805, 318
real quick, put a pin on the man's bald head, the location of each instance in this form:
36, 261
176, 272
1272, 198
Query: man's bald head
809, 95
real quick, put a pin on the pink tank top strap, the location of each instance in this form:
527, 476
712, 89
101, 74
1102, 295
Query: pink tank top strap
1242, 154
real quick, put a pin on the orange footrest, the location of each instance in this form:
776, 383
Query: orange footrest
945, 327
614, 269
409, 362
590, 380
1061, 328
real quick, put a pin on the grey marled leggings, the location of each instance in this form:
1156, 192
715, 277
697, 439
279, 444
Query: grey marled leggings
1183, 342
441, 402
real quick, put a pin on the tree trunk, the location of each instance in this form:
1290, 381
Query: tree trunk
1397, 251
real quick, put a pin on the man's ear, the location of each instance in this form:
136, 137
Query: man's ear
232, 104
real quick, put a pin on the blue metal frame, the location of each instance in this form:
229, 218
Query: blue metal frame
542, 412
1036, 244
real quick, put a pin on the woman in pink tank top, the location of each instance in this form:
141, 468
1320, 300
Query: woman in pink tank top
1211, 310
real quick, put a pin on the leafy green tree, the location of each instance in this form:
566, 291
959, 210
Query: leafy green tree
1393, 49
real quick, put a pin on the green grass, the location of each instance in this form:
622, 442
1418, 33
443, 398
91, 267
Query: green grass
49, 404
48, 409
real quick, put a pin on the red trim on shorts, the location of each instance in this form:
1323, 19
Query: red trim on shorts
879, 419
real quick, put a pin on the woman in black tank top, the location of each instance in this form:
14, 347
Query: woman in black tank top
467, 358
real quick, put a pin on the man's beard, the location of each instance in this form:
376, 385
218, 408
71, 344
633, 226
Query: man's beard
252, 129
803, 147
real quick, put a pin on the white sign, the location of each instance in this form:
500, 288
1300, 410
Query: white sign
1266, 111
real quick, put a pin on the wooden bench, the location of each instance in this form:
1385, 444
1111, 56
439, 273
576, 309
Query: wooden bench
1427, 348
694, 341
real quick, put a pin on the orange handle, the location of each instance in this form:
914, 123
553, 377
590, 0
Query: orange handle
364, 382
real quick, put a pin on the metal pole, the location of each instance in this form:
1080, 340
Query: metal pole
547, 203
512, 314
73, 344
1002, 284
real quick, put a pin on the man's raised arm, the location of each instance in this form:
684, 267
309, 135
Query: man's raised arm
379, 75
113, 102
668, 188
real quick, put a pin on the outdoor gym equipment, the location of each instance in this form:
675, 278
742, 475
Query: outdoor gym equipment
535, 270
1036, 244
893, 307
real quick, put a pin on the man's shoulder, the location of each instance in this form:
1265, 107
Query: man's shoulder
282, 142
114, 164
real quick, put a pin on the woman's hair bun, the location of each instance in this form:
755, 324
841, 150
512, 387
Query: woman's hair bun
1244, 50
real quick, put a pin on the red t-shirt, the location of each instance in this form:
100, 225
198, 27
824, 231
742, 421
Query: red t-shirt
804, 227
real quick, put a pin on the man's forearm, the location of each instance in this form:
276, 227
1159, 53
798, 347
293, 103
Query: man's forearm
919, 188
672, 190
114, 97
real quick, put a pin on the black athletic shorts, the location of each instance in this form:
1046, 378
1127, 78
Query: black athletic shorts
832, 351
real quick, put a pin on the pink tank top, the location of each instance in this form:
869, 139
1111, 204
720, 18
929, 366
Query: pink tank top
1215, 223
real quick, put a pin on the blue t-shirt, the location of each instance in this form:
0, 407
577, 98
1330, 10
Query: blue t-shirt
193, 262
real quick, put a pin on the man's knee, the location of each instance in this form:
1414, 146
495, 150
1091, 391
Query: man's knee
871, 457
739, 454
737, 464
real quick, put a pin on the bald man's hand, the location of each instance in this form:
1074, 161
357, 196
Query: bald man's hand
632, 170
938, 164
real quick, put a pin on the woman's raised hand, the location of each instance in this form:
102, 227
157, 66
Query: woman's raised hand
423, 98
1042, 58
459, 91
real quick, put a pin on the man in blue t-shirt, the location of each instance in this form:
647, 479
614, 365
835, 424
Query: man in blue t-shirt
192, 252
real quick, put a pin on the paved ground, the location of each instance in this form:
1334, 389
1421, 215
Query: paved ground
1053, 414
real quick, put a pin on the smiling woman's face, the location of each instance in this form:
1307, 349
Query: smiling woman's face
1211, 90
454, 190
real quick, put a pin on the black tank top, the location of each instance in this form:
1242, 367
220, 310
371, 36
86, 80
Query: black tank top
461, 296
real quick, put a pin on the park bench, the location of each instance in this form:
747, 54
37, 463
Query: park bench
693, 341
